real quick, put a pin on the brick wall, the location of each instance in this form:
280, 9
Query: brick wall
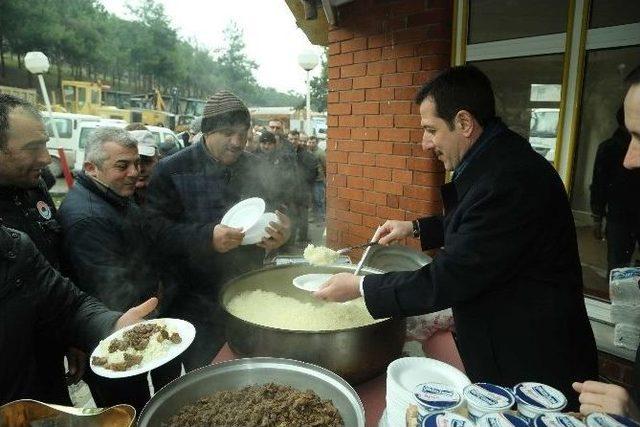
379, 56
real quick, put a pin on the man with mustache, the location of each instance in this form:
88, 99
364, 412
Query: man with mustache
25, 205
108, 250
188, 195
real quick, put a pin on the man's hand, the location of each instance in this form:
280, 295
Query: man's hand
601, 397
137, 313
226, 238
340, 287
392, 231
279, 232
597, 230
76, 362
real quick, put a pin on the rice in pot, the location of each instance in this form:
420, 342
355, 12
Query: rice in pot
270, 309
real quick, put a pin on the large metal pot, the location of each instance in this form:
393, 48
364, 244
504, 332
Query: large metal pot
236, 374
356, 354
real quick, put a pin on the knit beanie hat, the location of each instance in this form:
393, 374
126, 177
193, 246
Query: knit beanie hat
224, 109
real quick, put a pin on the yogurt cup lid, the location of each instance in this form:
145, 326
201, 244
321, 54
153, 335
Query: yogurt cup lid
445, 419
600, 419
540, 396
557, 420
487, 396
436, 396
501, 420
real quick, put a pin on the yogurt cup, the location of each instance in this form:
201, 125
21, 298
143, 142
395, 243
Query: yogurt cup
556, 419
485, 398
501, 420
534, 399
600, 419
446, 419
435, 397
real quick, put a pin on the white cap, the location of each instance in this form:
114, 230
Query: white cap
146, 142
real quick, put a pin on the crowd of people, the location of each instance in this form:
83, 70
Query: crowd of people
139, 231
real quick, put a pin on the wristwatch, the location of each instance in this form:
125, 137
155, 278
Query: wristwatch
416, 228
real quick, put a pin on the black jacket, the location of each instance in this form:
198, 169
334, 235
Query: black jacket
278, 171
614, 187
509, 268
33, 212
34, 300
307, 171
106, 245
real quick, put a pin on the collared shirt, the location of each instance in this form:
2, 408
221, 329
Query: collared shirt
493, 127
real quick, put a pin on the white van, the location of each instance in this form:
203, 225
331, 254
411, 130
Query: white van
67, 125
543, 131
162, 134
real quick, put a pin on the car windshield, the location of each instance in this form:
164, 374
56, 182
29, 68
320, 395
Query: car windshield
65, 127
84, 136
544, 124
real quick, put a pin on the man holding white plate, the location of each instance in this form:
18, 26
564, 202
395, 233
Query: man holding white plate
188, 197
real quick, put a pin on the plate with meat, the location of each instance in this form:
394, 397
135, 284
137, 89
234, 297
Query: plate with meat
142, 347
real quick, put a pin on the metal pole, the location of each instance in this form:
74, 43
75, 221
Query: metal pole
63, 159
308, 124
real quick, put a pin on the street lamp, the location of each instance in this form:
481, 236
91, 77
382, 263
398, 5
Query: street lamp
37, 63
308, 61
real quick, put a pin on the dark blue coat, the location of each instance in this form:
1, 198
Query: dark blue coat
107, 248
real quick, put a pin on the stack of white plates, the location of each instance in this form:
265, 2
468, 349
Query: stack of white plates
404, 374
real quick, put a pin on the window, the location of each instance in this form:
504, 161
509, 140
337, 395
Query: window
492, 20
64, 127
557, 73
528, 101
602, 96
609, 13
84, 137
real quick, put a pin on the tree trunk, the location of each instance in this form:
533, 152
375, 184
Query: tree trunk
2, 69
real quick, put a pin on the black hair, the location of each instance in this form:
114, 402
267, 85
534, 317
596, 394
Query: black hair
633, 78
267, 137
225, 120
8, 103
460, 88
620, 116
294, 132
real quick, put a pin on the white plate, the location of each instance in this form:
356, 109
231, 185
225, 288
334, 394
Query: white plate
310, 282
258, 231
244, 214
186, 330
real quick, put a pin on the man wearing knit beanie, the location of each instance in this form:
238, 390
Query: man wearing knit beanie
188, 195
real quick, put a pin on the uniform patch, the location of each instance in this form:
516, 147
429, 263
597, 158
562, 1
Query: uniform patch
43, 209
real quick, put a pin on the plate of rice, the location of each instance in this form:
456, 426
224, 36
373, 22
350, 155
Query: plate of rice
139, 348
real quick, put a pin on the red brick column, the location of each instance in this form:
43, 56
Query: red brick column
380, 55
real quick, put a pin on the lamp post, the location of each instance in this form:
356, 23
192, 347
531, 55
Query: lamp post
37, 63
308, 61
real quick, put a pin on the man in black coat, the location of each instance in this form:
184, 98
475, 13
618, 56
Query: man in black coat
25, 204
36, 300
509, 264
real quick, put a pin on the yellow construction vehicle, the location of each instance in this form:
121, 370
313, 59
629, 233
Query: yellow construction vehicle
94, 98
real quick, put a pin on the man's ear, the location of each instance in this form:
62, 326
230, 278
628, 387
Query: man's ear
90, 169
465, 122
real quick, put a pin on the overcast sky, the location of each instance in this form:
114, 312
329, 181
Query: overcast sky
271, 36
